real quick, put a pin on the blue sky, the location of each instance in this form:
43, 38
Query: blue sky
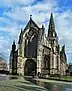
14, 15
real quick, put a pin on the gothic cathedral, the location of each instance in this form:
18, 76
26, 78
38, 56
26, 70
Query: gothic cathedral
38, 53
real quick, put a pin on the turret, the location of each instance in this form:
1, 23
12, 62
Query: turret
13, 46
63, 49
62, 53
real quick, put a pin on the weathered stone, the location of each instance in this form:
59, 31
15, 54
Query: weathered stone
34, 48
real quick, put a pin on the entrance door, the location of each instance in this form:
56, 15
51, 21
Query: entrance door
30, 67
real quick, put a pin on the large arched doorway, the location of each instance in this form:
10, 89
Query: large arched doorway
30, 67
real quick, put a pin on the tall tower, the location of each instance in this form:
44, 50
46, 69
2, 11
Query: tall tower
52, 35
13, 60
53, 39
13, 57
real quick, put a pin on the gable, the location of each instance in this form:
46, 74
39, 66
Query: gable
30, 28
31, 23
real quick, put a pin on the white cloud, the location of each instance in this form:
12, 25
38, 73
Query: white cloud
38, 10
13, 3
4, 44
11, 18
64, 24
41, 13
64, 29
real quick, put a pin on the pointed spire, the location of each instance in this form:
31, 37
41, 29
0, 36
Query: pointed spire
13, 42
13, 45
63, 48
51, 30
52, 20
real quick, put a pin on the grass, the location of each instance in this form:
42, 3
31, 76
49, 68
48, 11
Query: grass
19, 85
24, 85
68, 78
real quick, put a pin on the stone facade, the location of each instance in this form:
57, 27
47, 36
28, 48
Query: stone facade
38, 53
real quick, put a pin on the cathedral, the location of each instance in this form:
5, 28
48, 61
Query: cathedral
37, 53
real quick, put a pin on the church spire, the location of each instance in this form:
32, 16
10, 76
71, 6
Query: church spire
63, 48
51, 30
13, 46
13, 42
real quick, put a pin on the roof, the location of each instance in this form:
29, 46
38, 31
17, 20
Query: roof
29, 23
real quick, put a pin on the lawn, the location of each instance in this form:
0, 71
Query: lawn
19, 85
68, 78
